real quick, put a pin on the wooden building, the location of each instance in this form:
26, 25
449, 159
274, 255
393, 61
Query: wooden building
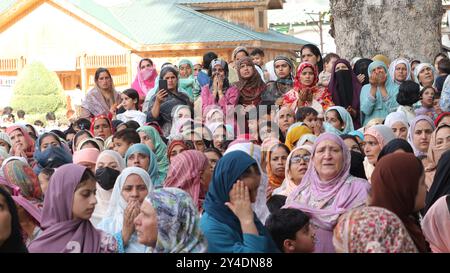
74, 38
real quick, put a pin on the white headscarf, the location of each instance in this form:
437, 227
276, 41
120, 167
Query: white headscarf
259, 207
394, 64
395, 117
419, 68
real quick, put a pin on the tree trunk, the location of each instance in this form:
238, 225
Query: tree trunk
395, 28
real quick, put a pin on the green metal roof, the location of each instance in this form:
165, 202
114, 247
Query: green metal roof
212, 1
154, 22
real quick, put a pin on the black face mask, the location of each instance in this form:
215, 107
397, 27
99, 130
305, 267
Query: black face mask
345, 87
106, 177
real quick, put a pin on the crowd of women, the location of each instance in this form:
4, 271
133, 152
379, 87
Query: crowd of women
328, 155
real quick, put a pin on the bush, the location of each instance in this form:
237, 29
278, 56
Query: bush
38, 90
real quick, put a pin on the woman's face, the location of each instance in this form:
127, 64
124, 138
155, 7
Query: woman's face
428, 97
84, 200
145, 139
246, 71
212, 158
102, 128
436, 62
328, 159
422, 135
239, 56
219, 136
299, 165
107, 161
5, 220
146, 224
177, 149
145, 64
426, 77
171, 80
218, 71
5, 145
401, 72
18, 140
308, 56
419, 202
352, 145
252, 183
128, 103
445, 120
307, 76
183, 113
48, 141
282, 69
339, 67
400, 130
278, 161
139, 160
104, 81
442, 142
134, 189
332, 117
197, 68
185, 70
217, 117
286, 119
371, 148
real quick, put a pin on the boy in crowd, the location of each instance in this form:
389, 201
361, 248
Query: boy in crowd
309, 116
124, 139
258, 59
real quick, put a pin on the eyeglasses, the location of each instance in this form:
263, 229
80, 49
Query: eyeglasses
298, 158
144, 66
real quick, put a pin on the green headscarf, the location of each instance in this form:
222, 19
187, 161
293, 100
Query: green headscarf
188, 84
160, 149
152, 166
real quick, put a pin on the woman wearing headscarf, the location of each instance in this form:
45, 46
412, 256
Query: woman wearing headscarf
284, 118
107, 168
398, 122
11, 232
425, 75
400, 70
276, 165
22, 144
296, 166
162, 103
131, 188
86, 157
345, 90
371, 230
361, 70
228, 221
80, 136
187, 80
103, 98
284, 69
439, 144
295, 134
153, 140
139, 155
250, 85
145, 78
5, 142
178, 223
190, 171
435, 225
50, 152
419, 134
176, 147
69, 203
397, 145
306, 92
398, 185
101, 126
381, 58
20, 174
327, 189
378, 97
338, 121
375, 138
441, 182
180, 114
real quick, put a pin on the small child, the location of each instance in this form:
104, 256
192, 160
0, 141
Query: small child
408, 94
124, 139
258, 59
291, 231
427, 101
130, 103
309, 116
325, 75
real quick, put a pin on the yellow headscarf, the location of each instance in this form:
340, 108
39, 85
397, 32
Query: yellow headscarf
295, 134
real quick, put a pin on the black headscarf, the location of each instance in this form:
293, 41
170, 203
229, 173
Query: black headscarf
361, 67
394, 145
441, 182
14, 243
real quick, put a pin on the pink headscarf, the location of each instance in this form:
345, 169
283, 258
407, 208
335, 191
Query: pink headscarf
184, 173
89, 155
145, 80
435, 226
340, 190
61, 232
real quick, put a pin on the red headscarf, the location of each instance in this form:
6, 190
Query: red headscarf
441, 116
298, 85
94, 119
30, 142
175, 143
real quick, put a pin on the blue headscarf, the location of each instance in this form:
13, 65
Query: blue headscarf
346, 118
52, 157
227, 171
153, 165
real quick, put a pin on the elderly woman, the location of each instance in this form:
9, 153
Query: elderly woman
107, 168
169, 223
400, 71
228, 221
22, 143
327, 189
375, 138
345, 89
162, 103
398, 185
425, 75
419, 134
103, 98
132, 186
284, 70
378, 97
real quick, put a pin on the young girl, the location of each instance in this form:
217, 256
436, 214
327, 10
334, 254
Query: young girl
130, 102
427, 100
